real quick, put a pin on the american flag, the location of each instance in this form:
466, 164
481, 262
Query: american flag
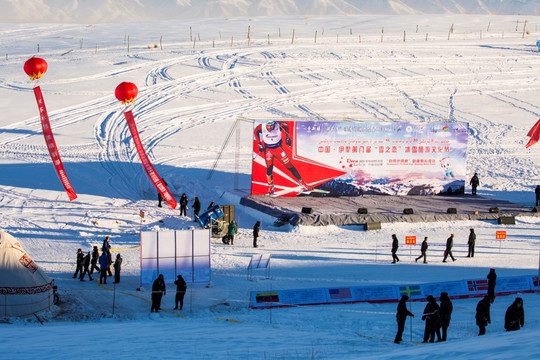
342, 293
477, 285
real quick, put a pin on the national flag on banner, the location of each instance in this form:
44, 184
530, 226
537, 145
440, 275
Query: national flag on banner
342, 293
477, 285
410, 291
266, 297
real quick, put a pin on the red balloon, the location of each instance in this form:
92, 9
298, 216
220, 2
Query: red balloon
126, 92
35, 67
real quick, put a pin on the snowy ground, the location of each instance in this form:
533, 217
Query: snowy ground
190, 94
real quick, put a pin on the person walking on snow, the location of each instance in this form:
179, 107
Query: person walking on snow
514, 319
445, 310
256, 233
474, 183
104, 265
80, 262
231, 231
159, 197
183, 205
158, 290
448, 251
401, 317
483, 317
95, 257
181, 287
423, 250
471, 243
492, 280
431, 317
117, 268
395, 246
196, 208
86, 267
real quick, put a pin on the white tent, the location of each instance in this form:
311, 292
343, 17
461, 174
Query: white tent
24, 287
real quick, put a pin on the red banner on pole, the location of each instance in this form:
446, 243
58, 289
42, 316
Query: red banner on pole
51, 144
148, 167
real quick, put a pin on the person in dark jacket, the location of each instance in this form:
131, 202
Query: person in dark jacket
159, 197
483, 317
471, 243
181, 287
395, 246
445, 311
401, 317
449, 245
183, 205
106, 248
86, 267
104, 265
423, 250
537, 193
80, 262
158, 290
117, 268
492, 280
256, 228
95, 257
431, 317
196, 208
514, 319
231, 231
474, 183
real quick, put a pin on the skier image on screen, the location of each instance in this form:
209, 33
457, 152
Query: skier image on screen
269, 138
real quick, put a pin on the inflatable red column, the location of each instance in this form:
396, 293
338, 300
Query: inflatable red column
126, 92
35, 68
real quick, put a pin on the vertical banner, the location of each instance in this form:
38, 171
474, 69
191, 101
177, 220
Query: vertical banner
51, 144
148, 167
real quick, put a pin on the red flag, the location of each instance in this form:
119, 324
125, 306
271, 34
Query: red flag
148, 167
534, 134
51, 145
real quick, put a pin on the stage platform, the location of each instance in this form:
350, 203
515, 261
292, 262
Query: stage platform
382, 209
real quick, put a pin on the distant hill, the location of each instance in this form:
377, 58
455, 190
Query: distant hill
105, 11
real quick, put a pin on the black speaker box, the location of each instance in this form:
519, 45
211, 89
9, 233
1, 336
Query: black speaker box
408, 211
306, 210
451, 211
494, 210
362, 211
372, 226
536, 209
507, 220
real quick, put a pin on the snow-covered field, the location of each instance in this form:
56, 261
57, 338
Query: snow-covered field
192, 87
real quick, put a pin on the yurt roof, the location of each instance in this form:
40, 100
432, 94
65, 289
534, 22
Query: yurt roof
17, 268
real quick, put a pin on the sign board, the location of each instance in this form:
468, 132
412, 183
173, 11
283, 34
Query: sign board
410, 240
500, 235
351, 158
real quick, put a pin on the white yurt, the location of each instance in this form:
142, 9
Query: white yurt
24, 287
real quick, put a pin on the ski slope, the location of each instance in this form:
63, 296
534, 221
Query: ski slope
192, 88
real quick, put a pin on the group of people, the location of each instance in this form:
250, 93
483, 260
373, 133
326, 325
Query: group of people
86, 264
159, 290
423, 248
437, 316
